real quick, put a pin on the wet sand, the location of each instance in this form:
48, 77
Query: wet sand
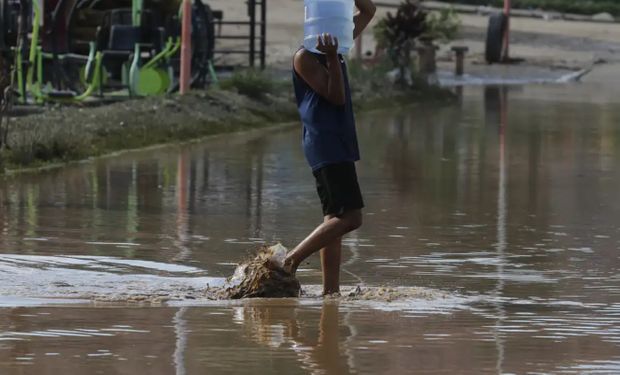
119, 281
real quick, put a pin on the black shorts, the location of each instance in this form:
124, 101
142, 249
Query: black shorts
338, 188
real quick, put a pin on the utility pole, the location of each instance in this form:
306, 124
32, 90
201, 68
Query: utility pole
506, 56
186, 47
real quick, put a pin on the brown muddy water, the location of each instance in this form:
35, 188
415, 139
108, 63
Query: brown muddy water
490, 246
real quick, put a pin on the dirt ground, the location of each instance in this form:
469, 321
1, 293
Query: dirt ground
549, 44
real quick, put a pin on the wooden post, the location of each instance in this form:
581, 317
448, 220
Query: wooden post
506, 55
460, 59
427, 57
186, 48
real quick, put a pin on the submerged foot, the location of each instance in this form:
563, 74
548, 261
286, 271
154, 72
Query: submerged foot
331, 294
289, 267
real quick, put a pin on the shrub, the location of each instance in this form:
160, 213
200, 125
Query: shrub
442, 25
252, 83
397, 33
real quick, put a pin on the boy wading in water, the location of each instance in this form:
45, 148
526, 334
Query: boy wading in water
330, 146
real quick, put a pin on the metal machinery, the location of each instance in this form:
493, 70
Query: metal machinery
75, 49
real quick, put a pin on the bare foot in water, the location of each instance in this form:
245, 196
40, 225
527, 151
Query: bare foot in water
334, 295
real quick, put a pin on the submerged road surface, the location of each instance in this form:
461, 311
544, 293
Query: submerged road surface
490, 245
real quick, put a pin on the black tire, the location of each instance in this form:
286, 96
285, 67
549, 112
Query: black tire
9, 15
495, 38
203, 42
203, 31
3, 42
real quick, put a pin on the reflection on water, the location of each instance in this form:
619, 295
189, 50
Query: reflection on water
297, 338
318, 352
505, 205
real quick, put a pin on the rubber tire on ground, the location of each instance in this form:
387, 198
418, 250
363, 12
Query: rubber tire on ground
495, 38
8, 25
3, 43
203, 33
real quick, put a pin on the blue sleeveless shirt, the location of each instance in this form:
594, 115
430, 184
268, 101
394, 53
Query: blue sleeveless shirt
328, 134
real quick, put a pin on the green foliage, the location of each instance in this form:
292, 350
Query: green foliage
368, 79
395, 32
57, 141
400, 30
443, 25
254, 84
398, 33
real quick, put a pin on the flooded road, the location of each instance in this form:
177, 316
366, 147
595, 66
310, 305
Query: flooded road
498, 215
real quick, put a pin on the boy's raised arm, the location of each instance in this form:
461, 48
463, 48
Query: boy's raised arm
329, 82
365, 12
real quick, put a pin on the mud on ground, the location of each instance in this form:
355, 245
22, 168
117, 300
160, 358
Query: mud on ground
66, 133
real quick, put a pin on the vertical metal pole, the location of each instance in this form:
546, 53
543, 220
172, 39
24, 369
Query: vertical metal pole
186, 48
252, 11
263, 33
136, 12
507, 34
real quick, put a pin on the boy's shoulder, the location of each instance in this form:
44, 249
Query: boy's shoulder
304, 60
308, 58
301, 53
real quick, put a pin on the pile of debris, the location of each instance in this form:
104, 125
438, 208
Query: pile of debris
262, 277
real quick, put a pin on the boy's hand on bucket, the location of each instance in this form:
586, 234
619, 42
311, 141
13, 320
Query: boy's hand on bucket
327, 44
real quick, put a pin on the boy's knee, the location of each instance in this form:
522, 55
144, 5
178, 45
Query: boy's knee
355, 225
353, 220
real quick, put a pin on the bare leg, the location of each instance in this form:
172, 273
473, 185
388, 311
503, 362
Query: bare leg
330, 263
325, 234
